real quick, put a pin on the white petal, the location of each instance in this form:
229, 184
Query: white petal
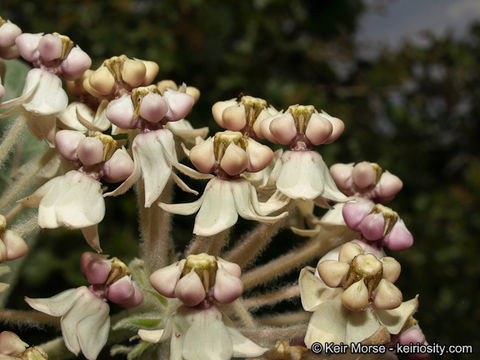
43, 127
153, 336
57, 305
274, 203
183, 209
243, 347
361, 325
90, 233
34, 199
182, 185
49, 97
327, 324
70, 116
334, 217
394, 319
313, 291
92, 331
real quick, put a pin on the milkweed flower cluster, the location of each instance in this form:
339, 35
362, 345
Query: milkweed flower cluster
122, 127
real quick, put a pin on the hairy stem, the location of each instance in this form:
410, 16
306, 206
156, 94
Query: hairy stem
12, 136
273, 334
272, 297
243, 314
218, 242
14, 212
285, 319
20, 318
197, 245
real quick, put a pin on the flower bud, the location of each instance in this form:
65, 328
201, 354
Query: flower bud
219, 107
388, 186
95, 267
67, 142
50, 47
102, 81
190, 289
230, 267
27, 45
348, 251
355, 297
342, 175
8, 33
202, 156
364, 175
332, 272
354, 212
234, 117
133, 72
193, 92
75, 64
259, 156
165, 280
90, 151
179, 104
227, 288
121, 113
166, 84
16, 246
122, 292
391, 268
318, 129
151, 71
337, 125
11, 344
399, 238
283, 128
373, 226
234, 160
412, 335
153, 107
387, 296
118, 167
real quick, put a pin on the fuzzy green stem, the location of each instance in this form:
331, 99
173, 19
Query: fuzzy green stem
12, 136
272, 297
285, 319
273, 334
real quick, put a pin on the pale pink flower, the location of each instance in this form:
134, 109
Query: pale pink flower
8, 33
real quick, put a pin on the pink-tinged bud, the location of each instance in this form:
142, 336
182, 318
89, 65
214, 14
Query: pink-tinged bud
27, 45
118, 167
338, 127
90, 151
234, 160
259, 156
67, 142
121, 113
263, 131
202, 156
218, 108
413, 335
332, 272
283, 129
76, 63
363, 175
122, 292
179, 104
16, 246
133, 72
387, 296
3, 252
372, 226
101, 81
50, 47
399, 238
318, 129
11, 344
388, 186
95, 267
153, 107
8, 34
165, 280
391, 268
151, 71
230, 267
354, 212
190, 289
342, 175
134, 300
227, 287
234, 117
355, 297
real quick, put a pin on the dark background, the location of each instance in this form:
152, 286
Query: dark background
413, 110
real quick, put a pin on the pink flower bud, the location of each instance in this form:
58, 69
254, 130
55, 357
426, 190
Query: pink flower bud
50, 47
190, 289
153, 107
283, 129
413, 335
227, 287
338, 127
234, 117
230, 267
318, 129
179, 104
76, 63
234, 160
118, 167
11, 344
16, 246
372, 226
202, 156
165, 280
342, 175
399, 238
120, 112
8, 34
95, 267
218, 108
263, 130
124, 293
90, 151
363, 175
388, 186
354, 212
259, 156
67, 142
27, 45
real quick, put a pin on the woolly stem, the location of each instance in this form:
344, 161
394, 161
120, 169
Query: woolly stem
13, 212
243, 314
285, 319
284, 333
294, 259
12, 136
218, 242
272, 297
197, 245
31, 170
18, 317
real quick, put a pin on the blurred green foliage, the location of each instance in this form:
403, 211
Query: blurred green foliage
414, 110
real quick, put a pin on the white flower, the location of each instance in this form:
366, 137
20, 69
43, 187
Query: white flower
80, 117
84, 319
73, 200
154, 155
200, 334
221, 203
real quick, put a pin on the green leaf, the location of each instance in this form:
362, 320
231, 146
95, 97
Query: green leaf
144, 321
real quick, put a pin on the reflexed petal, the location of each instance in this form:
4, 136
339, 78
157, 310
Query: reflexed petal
90, 233
92, 331
327, 324
183, 129
243, 347
394, 319
43, 127
313, 291
360, 326
153, 336
69, 117
183, 209
49, 97
57, 305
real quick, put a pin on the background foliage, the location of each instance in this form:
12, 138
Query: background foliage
414, 111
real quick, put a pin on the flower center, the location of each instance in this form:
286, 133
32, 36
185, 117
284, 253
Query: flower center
389, 216
118, 271
115, 66
139, 93
67, 45
205, 266
109, 144
225, 138
253, 108
301, 116
366, 267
